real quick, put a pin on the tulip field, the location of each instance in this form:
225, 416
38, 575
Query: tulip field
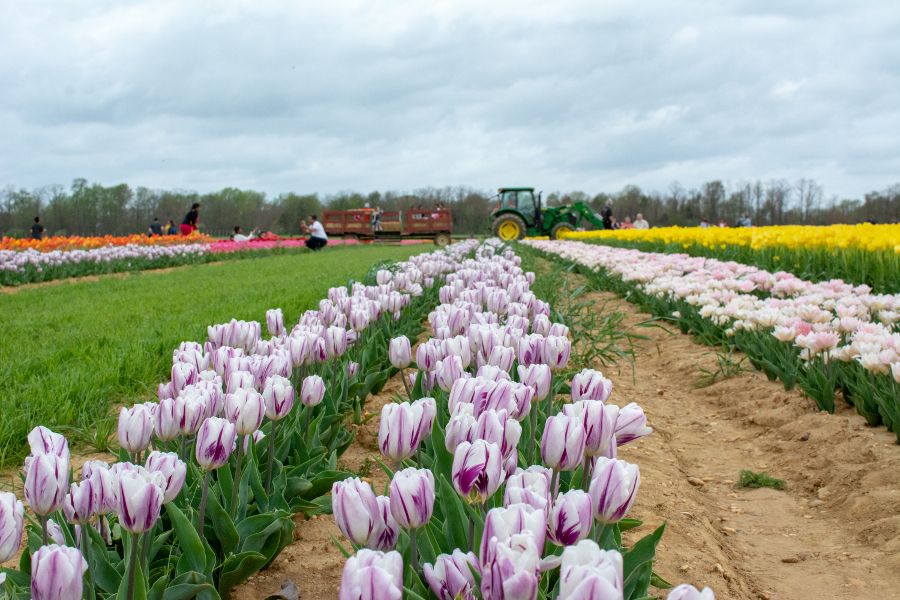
505, 480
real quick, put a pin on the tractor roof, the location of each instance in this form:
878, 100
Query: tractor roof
516, 189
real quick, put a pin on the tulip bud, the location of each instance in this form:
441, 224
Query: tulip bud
447, 371
140, 499
279, 397
246, 409
165, 390
103, 484
540, 325
57, 573
372, 575
55, 533
460, 427
275, 322
529, 486
12, 521
312, 390
240, 380
426, 357
165, 421
599, 422
356, 510
538, 377
502, 358
501, 524
555, 353
412, 497
562, 446
586, 571
401, 428
531, 349
183, 375
451, 578
496, 427
335, 341
190, 410
492, 373
43, 441
689, 592
512, 570
79, 504
458, 346
477, 470
172, 469
399, 352
384, 536
571, 518
558, 329
46, 483
631, 424
215, 443
135, 428
591, 385
613, 488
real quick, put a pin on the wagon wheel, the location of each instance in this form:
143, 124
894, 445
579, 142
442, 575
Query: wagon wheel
442, 239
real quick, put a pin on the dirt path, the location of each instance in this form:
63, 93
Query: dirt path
833, 533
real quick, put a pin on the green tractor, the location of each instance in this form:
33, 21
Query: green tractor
519, 213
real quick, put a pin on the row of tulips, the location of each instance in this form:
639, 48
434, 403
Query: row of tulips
500, 487
209, 476
824, 337
77, 242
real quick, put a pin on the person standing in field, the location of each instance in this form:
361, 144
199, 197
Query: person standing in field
640, 222
170, 228
191, 220
745, 221
318, 239
156, 227
37, 230
607, 216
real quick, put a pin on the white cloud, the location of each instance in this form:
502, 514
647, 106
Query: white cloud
312, 96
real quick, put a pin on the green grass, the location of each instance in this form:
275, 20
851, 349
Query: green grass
749, 479
73, 351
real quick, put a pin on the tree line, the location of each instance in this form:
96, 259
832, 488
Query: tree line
94, 209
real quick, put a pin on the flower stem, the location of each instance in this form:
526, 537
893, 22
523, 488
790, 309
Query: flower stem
472, 535
85, 551
204, 490
43, 520
553, 481
413, 551
532, 441
405, 384
586, 472
238, 468
132, 564
271, 458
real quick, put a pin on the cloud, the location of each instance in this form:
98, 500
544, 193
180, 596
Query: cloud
310, 96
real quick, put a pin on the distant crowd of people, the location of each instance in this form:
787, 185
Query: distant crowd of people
639, 222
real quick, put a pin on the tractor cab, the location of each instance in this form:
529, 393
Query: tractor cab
517, 211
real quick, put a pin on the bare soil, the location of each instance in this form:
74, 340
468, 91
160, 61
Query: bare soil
834, 532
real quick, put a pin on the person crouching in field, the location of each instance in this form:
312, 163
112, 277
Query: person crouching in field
191, 220
318, 239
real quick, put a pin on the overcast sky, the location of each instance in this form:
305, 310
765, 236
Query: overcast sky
562, 95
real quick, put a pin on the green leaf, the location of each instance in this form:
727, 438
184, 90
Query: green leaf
626, 524
638, 564
187, 591
140, 585
658, 582
223, 525
237, 568
191, 545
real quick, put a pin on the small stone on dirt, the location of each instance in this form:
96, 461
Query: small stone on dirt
804, 437
790, 559
718, 568
695, 481
814, 503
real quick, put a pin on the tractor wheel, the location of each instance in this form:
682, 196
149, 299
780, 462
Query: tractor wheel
442, 239
561, 228
509, 228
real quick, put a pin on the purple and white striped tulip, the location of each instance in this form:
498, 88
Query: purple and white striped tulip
613, 488
43, 441
140, 499
135, 428
399, 352
412, 497
562, 446
46, 483
502, 358
631, 424
80, 504
540, 325
190, 410
183, 375
103, 484
372, 575
384, 536
312, 391
426, 357
401, 428
275, 322
512, 571
591, 385
531, 349
599, 422
571, 518
529, 486
246, 409
501, 524
356, 511
240, 380
460, 427
172, 469
477, 470
12, 522
587, 572
335, 341
216, 440
555, 352
279, 397
538, 377
498, 428
165, 421
491, 373
55, 533
451, 578
689, 592
57, 573
447, 371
